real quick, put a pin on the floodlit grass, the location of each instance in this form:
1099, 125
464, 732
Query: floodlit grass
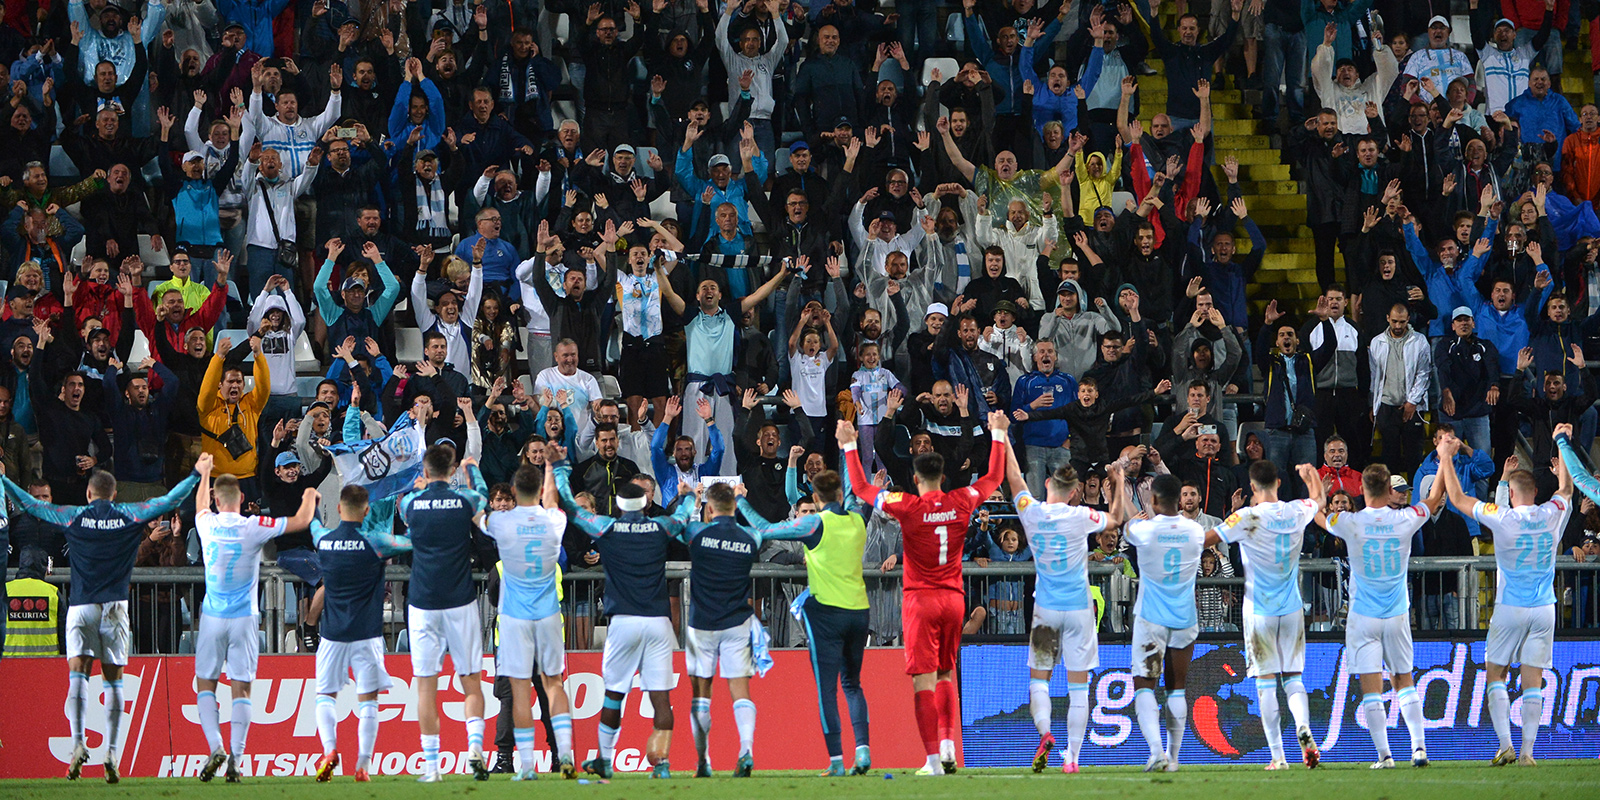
1551, 779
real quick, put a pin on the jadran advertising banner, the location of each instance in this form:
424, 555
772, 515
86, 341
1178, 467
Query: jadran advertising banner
1224, 716
161, 734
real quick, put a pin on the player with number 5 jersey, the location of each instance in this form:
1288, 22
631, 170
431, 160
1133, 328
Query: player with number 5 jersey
1378, 631
933, 525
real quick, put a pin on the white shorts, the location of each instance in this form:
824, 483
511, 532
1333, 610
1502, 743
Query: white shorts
227, 644
1523, 636
529, 644
640, 645
1274, 645
436, 631
729, 647
99, 631
1151, 642
1375, 644
1063, 637
337, 661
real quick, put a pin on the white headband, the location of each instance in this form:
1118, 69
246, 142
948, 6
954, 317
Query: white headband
633, 503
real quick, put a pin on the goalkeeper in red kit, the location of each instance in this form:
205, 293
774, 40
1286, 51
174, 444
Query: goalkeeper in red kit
933, 524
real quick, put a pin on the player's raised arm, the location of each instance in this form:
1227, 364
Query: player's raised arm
1435, 499
998, 425
549, 497
478, 495
1563, 432
1116, 508
1014, 479
202, 492
804, 528
1314, 485
378, 529
1585, 482
1452, 482
863, 488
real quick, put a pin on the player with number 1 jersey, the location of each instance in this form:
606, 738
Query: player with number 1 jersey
933, 525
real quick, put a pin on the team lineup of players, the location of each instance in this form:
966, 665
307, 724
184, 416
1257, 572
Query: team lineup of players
724, 636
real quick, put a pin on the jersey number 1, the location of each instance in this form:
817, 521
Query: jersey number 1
944, 543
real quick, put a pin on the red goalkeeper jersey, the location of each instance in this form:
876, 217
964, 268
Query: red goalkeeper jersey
933, 526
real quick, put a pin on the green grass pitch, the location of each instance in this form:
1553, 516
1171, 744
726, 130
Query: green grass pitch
1561, 780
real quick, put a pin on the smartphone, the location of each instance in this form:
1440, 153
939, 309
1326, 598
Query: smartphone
345, 133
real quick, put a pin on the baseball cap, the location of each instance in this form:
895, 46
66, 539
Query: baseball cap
18, 290
798, 146
842, 122
318, 404
1504, 21
623, 148
1439, 20
192, 155
1461, 311
886, 216
937, 308
719, 160
230, 26
425, 155
1007, 306
352, 283
1398, 482
286, 458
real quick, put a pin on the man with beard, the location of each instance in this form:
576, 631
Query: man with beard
948, 248
1468, 370
605, 472
958, 359
522, 81
189, 363
116, 39
139, 425
760, 467
945, 416
682, 467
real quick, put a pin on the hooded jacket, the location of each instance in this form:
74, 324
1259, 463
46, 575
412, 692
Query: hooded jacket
1076, 335
278, 345
1022, 249
1223, 364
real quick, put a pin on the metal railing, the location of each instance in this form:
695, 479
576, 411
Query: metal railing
1449, 596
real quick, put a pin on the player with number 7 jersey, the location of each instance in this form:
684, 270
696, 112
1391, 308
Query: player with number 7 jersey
933, 526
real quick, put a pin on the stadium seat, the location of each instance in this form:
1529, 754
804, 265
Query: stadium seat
150, 256
186, 643
306, 386
237, 335
408, 345
563, 28
60, 165
304, 359
948, 67
1120, 200
141, 347
609, 388
641, 161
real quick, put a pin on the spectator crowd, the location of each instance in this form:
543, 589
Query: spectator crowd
681, 238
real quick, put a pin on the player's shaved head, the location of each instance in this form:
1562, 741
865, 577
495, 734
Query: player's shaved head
1263, 475
1164, 493
527, 483
1375, 485
439, 461
102, 485
826, 485
721, 497
226, 489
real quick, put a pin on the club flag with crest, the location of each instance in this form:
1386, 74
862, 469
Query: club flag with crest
388, 465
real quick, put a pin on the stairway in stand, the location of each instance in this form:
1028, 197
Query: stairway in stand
1278, 204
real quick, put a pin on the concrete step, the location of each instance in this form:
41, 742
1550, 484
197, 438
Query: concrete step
1260, 157
1268, 170
1219, 97
1227, 144
1267, 188
1262, 202
1275, 261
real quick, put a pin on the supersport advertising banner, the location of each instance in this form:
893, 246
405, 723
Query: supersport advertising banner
1224, 717
161, 734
